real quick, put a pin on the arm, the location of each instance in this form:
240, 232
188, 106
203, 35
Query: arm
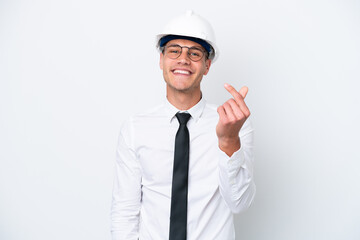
126, 201
236, 152
236, 182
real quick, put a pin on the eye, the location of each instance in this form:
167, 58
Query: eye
195, 54
173, 50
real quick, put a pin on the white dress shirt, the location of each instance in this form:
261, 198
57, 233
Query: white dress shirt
218, 185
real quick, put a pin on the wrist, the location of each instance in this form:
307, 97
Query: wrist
229, 145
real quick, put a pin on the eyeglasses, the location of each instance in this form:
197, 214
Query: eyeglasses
174, 51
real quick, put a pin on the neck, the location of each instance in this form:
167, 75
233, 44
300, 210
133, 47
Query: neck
184, 101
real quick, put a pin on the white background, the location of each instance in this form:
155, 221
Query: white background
71, 71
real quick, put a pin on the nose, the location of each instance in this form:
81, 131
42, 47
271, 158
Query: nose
184, 56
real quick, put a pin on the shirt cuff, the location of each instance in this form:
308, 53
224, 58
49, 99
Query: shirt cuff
233, 163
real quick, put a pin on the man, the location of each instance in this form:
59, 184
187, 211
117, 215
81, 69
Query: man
185, 167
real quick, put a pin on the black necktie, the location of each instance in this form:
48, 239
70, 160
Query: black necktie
178, 214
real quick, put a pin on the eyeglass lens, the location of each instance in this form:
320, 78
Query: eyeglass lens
174, 51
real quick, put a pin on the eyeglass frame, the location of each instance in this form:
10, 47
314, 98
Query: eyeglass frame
205, 53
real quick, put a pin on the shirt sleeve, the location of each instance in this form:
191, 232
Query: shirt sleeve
236, 180
126, 200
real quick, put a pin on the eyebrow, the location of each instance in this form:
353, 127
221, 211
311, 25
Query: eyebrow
193, 47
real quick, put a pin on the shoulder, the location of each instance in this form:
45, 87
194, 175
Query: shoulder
210, 111
211, 107
142, 118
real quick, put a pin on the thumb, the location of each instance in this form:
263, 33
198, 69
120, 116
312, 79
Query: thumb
243, 91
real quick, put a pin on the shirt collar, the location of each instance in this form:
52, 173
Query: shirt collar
195, 112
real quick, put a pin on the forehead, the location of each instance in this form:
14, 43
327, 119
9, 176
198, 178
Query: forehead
184, 42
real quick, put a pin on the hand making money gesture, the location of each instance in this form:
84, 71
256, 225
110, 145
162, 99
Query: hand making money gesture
232, 115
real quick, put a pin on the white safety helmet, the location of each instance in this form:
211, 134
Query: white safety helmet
191, 25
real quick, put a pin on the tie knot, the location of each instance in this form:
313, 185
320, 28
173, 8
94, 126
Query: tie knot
183, 118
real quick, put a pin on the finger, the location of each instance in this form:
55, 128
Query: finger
239, 98
229, 112
244, 109
231, 90
243, 91
222, 113
236, 109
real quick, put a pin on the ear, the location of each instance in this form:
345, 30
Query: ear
161, 61
207, 66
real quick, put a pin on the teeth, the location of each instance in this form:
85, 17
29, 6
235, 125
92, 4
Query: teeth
182, 72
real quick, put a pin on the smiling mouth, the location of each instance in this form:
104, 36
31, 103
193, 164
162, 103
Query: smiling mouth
185, 72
